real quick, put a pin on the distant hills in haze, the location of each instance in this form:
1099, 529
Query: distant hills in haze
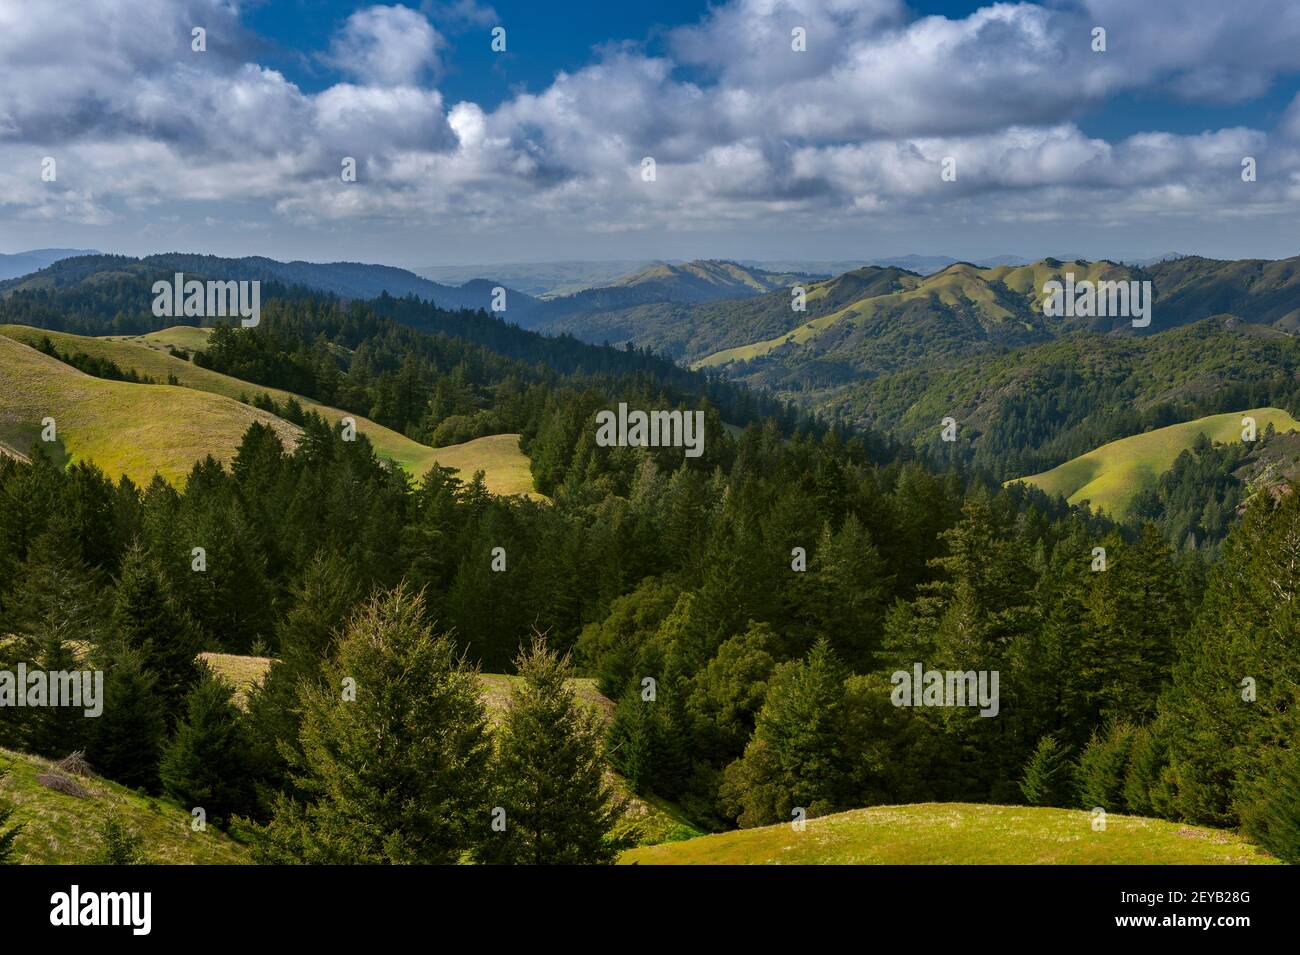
24, 263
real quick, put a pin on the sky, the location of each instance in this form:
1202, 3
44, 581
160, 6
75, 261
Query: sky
953, 128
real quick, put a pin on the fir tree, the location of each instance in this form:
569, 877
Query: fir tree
797, 758
549, 772
125, 742
395, 749
146, 618
1047, 776
207, 764
118, 845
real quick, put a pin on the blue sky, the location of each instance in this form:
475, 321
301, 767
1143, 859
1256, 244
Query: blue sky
469, 155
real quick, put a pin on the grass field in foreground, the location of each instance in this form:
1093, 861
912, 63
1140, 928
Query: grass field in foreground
60, 828
656, 820
506, 468
1110, 476
960, 834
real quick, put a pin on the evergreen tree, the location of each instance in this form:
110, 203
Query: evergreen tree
1047, 777
125, 741
207, 764
796, 758
395, 749
146, 618
1103, 768
549, 772
1272, 817
118, 845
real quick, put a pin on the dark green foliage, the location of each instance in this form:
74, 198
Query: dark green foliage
1048, 774
399, 774
799, 756
548, 772
1232, 704
124, 743
148, 619
1102, 770
91, 365
208, 763
1272, 816
773, 685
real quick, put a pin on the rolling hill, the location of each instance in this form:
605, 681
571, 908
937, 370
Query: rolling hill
61, 827
960, 309
125, 428
882, 320
218, 431
960, 834
1112, 474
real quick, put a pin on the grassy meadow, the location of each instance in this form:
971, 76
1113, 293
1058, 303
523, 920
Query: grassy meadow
184, 435
1110, 476
960, 834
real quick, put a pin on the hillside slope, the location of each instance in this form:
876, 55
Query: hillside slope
61, 828
125, 428
652, 299
506, 468
1112, 474
960, 834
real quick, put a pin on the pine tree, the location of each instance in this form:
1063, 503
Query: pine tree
125, 741
1272, 818
1103, 767
207, 764
550, 772
147, 618
1047, 776
395, 749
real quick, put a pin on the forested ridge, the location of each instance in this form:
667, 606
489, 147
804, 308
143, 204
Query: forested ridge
746, 610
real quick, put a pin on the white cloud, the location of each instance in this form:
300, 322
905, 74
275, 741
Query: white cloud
387, 46
743, 129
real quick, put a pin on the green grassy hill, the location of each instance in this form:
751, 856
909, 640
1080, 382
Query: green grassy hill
1001, 303
1112, 474
960, 834
505, 466
59, 827
125, 428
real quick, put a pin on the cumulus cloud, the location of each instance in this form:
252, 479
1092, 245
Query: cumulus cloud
743, 127
386, 46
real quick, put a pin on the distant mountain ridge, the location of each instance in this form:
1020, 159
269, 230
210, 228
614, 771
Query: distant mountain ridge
353, 280
24, 263
640, 301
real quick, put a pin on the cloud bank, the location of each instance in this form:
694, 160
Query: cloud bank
746, 131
